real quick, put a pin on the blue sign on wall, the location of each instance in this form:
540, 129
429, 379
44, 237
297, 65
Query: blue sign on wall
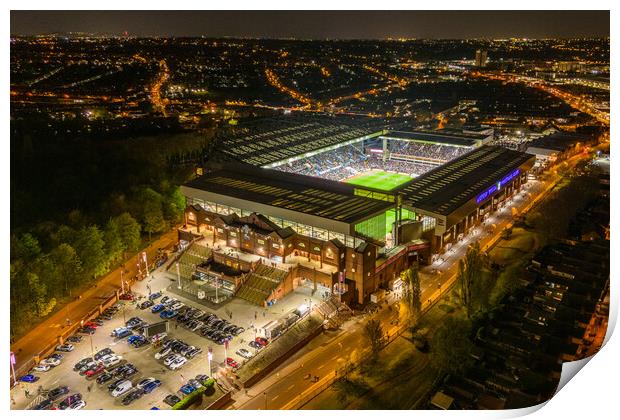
496, 187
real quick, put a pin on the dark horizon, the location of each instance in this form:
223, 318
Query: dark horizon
318, 25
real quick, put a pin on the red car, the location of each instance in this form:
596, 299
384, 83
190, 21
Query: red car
96, 371
232, 363
91, 324
126, 296
262, 341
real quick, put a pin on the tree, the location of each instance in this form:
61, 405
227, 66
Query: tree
114, 245
174, 205
67, 264
38, 295
470, 273
129, 230
152, 213
25, 247
413, 292
374, 334
451, 346
89, 247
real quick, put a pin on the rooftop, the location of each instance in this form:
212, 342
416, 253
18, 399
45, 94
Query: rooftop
448, 138
448, 187
309, 195
267, 141
558, 141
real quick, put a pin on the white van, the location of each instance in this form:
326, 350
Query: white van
122, 388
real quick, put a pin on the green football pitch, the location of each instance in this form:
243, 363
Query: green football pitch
380, 180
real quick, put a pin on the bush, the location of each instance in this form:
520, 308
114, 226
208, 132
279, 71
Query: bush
195, 396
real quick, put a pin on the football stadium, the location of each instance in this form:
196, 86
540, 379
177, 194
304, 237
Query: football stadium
344, 203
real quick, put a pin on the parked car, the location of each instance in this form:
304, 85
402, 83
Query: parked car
104, 352
79, 365
254, 344
146, 304
127, 296
50, 361
168, 314
95, 370
187, 389
165, 299
87, 367
154, 296
177, 363
148, 388
202, 378
158, 337
46, 404
41, 368
262, 341
132, 396
232, 362
78, 405
116, 383
30, 378
157, 308
66, 403
113, 360
58, 392
124, 333
122, 388
245, 353
75, 339
65, 347
104, 377
171, 400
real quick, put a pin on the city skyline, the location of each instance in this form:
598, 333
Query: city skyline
318, 25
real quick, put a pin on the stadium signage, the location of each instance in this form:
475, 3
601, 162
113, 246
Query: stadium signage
496, 187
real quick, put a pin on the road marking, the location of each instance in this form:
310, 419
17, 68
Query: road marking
290, 387
274, 398
321, 366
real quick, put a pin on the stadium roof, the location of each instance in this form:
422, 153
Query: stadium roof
298, 193
271, 141
447, 188
463, 140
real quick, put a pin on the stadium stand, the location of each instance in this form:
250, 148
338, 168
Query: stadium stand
260, 283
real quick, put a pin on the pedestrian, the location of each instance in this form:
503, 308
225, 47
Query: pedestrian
89, 387
255, 315
26, 393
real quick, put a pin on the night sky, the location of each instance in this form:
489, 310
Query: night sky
318, 24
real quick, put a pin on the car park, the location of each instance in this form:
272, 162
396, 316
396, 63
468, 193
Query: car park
66, 403
65, 347
30, 378
121, 388
58, 392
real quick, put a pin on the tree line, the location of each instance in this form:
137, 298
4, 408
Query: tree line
51, 261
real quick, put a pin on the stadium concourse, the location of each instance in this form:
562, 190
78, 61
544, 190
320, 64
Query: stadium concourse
350, 197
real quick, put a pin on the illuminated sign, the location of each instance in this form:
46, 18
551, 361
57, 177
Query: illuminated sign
496, 187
